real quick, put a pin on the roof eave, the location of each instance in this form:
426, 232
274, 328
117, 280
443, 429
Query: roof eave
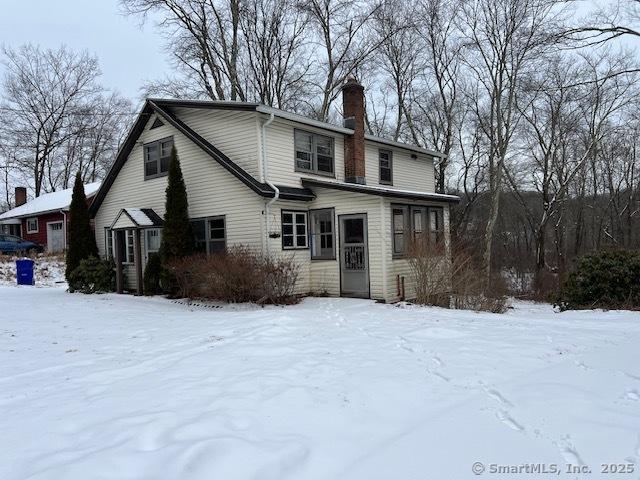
352, 187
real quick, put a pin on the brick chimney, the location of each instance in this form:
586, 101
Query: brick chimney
20, 196
353, 108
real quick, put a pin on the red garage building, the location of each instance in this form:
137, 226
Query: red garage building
44, 219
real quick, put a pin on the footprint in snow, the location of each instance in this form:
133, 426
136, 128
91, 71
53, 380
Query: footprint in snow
437, 361
568, 451
498, 397
632, 395
632, 377
439, 375
581, 365
505, 418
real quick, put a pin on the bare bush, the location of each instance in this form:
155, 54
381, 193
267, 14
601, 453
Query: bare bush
455, 282
238, 275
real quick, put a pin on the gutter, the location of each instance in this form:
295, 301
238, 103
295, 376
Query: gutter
265, 174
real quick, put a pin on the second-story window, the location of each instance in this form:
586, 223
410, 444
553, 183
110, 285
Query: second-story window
314, 153
385, 158
157, 156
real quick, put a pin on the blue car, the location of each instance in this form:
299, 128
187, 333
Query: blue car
13, 244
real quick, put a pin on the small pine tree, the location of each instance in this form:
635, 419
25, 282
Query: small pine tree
177, 241
82, 241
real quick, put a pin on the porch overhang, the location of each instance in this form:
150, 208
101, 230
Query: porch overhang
380, 191
11, 221
136, 218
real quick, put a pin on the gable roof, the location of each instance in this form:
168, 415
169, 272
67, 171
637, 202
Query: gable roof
137, 218
294, 117
162, 109
49, 202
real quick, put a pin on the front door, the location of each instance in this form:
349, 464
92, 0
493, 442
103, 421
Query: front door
354, 256
55, 237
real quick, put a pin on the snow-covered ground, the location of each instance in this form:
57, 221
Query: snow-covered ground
119, 387
48, 270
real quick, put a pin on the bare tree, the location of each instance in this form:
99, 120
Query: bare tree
203, 37
276, 59
341, 31
608, 22
398, 57
438, 104
43, 90
504, 39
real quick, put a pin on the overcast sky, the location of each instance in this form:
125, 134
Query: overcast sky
128, 54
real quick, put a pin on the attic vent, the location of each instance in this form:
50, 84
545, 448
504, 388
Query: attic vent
156, 123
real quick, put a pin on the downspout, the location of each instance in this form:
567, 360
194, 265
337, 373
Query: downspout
265, 174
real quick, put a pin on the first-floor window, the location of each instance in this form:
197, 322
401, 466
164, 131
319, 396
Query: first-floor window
108, 244
399, 225
152, 238
32, 225
209, 234
129, 250
322, 229
294, 229
436, 224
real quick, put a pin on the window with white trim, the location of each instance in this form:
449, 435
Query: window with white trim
152, 239
385, 159
209, 234
294, 229
129, 249
108, 243
157, 156
322, 233
314, 153
32, 225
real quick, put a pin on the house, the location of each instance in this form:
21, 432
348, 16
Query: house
44, 219
342, 203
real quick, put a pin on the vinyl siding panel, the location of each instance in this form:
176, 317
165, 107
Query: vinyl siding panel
413, 174
323, 276
281, 154
211, 190
235, 133
408, 173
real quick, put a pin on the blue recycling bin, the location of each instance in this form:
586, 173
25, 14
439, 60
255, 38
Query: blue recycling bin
24, 271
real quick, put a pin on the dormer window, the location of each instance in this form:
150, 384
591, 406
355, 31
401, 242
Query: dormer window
314, 153
157, 156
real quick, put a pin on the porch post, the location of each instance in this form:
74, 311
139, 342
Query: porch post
118, 259
138, 260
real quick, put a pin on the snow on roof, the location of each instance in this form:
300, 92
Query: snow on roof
48, 202
139, 217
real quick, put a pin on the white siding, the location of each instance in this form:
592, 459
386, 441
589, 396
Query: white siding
211, 190
414, 174
234, 133
323, 276
408, 173
281, 154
